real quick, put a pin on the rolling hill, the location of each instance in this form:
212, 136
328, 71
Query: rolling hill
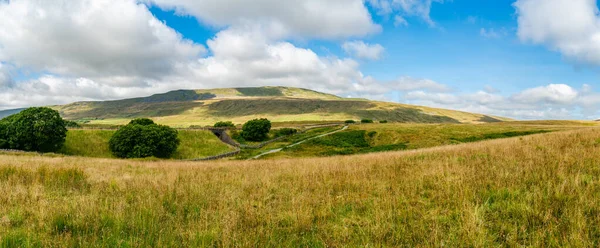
184, 108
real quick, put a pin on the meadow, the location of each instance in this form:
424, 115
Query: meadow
536, 190
94, 143
366, 138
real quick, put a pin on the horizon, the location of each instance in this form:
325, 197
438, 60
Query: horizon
521, 59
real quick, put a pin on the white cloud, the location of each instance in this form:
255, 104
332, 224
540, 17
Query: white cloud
362, 50
91, 38
567, 26
552, 94
489, 33
307, 18
400, 21
553, 101
404, 8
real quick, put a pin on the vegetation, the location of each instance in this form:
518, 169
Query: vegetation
226, 124
256, 130
366, 121
94, 143
33, 129
72, 124
350, 121
383, 121
538, 191
285, 132
393, 137
142, 138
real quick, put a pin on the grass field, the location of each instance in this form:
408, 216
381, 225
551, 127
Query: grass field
367, 138
539, 190
94, 143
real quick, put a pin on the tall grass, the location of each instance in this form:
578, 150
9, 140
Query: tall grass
540, 190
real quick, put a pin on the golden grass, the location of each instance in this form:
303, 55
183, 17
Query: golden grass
540, 190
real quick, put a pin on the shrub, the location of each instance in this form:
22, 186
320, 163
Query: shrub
142, 121
140, 141
72, 124
256, 130
34, 129
285, 132
225, 124
384, 121
350, 122
366, 121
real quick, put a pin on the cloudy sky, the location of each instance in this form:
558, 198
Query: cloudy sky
526, 59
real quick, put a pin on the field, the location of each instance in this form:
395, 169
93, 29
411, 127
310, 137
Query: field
537, 190
94, 143
367, 138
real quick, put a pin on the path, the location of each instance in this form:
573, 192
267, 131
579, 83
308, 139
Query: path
298, 143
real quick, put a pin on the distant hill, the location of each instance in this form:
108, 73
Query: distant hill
5, 113
183, 108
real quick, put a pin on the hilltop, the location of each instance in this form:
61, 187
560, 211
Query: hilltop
183, 108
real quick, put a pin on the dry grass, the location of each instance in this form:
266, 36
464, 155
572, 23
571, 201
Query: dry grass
539, 190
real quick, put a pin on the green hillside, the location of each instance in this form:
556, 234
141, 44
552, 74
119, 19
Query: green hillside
183, 108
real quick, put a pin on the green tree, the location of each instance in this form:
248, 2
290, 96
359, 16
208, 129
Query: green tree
224, 124
3, 135
142, 121
256, 130
366, 121
34, 129
140, 140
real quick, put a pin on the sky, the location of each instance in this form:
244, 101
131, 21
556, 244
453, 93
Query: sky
525, 59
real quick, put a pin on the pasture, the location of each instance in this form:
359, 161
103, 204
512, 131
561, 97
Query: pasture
536, 190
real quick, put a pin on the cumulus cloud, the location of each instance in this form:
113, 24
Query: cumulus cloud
569, 27
553, 101
552, 94
91, 38
308, 18
362, 50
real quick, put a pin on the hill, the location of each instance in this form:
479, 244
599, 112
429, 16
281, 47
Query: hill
5, 113
184, 108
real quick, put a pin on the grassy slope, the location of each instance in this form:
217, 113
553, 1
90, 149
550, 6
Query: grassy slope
280, 104
94, 143
539, 190
388, 137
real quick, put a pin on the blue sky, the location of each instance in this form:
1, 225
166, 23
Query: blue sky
527, 59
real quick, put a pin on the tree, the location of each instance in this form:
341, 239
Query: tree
3, 135
285, 132
140, 139
225, 124
350, 121
142, 121
366, 121
34, 129
256, 130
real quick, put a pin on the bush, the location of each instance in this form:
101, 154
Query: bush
225, 124
256, 130
142, 121
350, 122
366, 121
34, 129
383, 122
136, 140
285, 132
72, 124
